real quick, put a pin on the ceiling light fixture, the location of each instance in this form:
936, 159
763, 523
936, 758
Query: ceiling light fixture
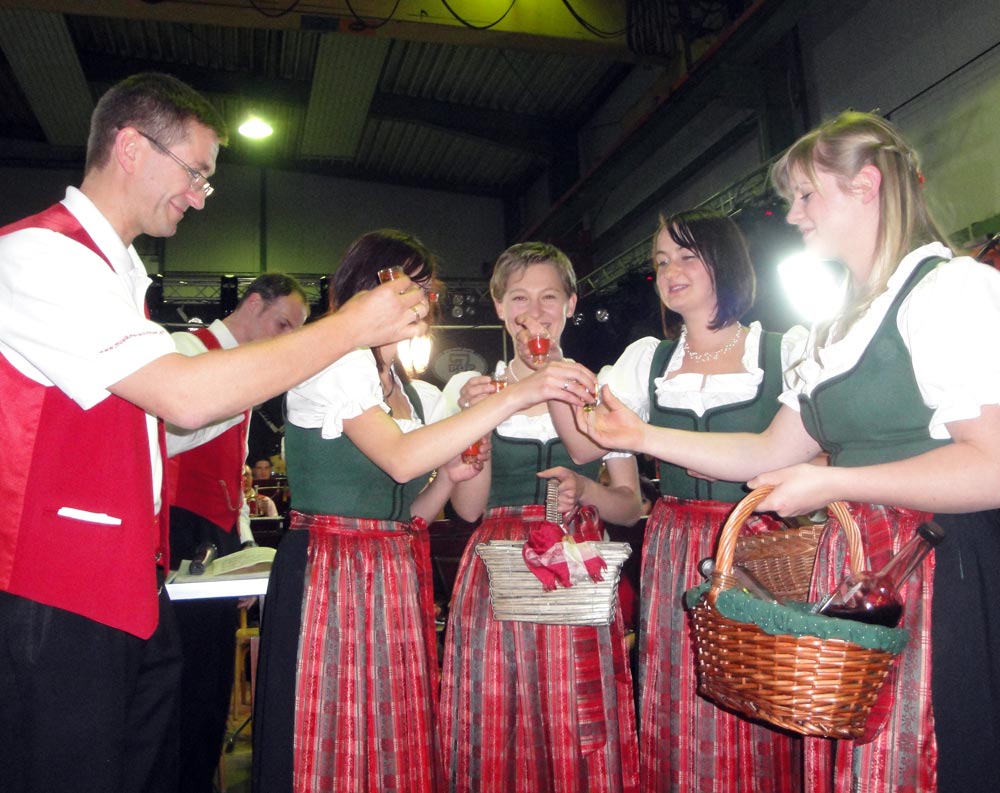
256, 128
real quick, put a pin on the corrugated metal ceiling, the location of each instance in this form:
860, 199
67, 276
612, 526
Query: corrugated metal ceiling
318, 91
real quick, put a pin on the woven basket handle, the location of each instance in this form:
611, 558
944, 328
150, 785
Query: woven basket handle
723, 579
552, 513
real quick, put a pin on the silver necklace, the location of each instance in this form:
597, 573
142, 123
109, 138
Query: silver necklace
702, 357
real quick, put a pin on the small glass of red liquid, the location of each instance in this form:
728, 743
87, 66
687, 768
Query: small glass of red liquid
390, 274
538, 347
471, 454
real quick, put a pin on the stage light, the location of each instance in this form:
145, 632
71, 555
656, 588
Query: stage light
602, 315
815, 288
228, 294
414, 354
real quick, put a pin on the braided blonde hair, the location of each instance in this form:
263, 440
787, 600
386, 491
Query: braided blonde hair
842, 147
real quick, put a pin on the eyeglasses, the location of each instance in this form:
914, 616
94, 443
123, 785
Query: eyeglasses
198, 180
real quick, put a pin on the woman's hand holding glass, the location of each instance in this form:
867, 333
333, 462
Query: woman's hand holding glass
473, 391
476, 389
535, 347
470, 462
561, 381
422, 308
387, 314
611, 424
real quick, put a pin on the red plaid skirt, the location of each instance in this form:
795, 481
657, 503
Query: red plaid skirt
365, 700
529, 708
903, 757
687, 744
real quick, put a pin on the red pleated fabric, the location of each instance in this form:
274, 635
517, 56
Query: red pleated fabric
529, 708
903, 756
365, 700
687, 744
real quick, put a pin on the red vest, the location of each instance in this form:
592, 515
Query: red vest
104, 572
208, 480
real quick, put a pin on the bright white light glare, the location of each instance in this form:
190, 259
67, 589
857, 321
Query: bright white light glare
255, 128
414, 354
813, 287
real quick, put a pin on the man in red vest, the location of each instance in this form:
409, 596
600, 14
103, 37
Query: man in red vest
89, 656
205, 479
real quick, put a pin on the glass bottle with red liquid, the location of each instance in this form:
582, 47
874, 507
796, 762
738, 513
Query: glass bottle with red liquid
873, 597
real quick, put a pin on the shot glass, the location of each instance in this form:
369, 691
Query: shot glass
390, 274
471, 454
590, 406
538, 347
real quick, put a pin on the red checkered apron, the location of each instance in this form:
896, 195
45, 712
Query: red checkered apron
365, 696
529, 708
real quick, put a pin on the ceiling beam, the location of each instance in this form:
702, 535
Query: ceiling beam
513, 130
107, 69
38, 46
547, 27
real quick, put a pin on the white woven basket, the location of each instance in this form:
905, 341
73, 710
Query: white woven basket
517, 595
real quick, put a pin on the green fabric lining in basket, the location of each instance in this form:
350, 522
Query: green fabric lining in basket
796, 619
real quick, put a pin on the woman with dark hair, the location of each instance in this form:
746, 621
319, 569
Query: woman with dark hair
711, 372
346, 691
898, 390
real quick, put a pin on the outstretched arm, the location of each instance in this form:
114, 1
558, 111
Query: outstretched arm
730, 456
407, 455
963, 476
192, 392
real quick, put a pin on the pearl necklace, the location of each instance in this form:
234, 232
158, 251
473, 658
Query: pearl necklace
702, 357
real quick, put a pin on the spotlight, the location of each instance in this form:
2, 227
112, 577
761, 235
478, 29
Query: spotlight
815, 288
256, 128
414, 354
577, 319
457, 311
602, 315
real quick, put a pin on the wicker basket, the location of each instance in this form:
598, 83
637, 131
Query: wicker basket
781, 559
517, 595
812, 686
